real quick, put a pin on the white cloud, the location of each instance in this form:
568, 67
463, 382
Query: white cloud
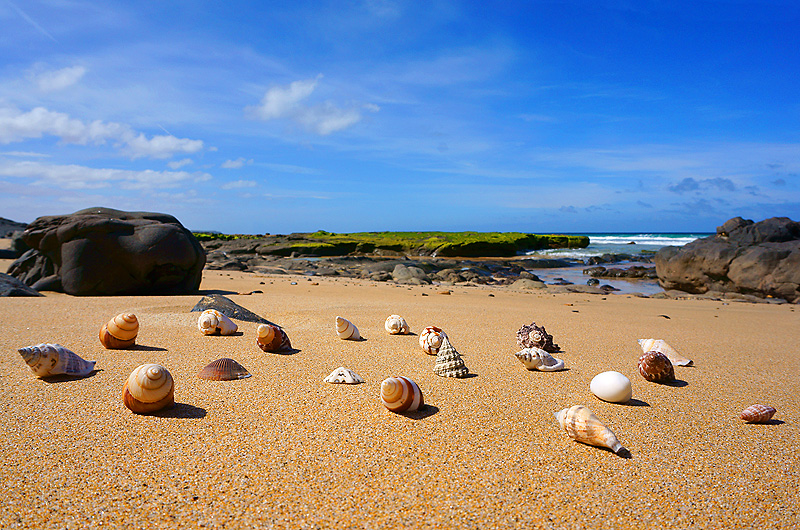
177, 164
236, 164
60, 79
282, 101
160, 146
25, 154
239, 184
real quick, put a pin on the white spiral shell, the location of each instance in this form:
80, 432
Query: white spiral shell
430, 340
344, 375
346, 329
54, 359
396, 325
213, 322
149, 388
538, 359
401, 394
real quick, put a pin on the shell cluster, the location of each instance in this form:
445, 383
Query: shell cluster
54, 359
272, 339
533, 336
396, 325
212, 322
430, 340
613, 387
449, 362
656, 367
346, 329
538, 359
662, 347
757, 413
223, 370
401, 394
120, 332
344, 375
149, 388
583, 426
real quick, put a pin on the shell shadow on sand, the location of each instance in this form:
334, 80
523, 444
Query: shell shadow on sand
182, 410
425, 411
64, 378
636, 403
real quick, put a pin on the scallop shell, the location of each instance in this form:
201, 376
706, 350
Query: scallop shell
533, 336
54, 359
401, 394
212, 322
538, 359
656, 367
344, 375
613, 387
662, 347
449, 362
431, 339
223, 370
120, 332
396, 325
757, 413
346, 330
272, 339
149, 388
583, 426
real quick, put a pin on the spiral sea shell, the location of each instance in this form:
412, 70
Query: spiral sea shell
344, 375
223, 370
430, 339
401, 394
583, 426
272, 339
656, 367
449, 362
212, 322
534, 336
346, 330
662, 347
54, 359
148, 389
120, 332
396, 325
757, 414
538, 359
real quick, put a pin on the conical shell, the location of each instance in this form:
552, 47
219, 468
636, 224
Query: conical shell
223, 370
401, 394
430, 340
120, 332
533, 336
662, 347
582, 425
396, 325
449, 362
656, 367
148, 389
212, 322
757, 413
346, 330
344, 375
538, 359
272, 339
54, 359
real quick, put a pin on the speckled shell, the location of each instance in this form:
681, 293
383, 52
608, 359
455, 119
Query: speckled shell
613, 387
346, 329
430, 340
120, 332
534, 336
54, 359
583, 426
757, 413
396, 325
272, 339
223, 370
212, 322
656, 367
449, 362
344, 375
401, 394
149, 388
662, 347
538, 359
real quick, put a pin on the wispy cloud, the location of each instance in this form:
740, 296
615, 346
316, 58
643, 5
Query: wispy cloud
30, 21
60, 79
177, 164
160, 146
236, 164
689, 184
239, 184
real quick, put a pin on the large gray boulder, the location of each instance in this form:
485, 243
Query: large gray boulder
761, 258
101, 252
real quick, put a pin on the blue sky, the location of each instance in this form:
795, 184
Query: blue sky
540, 116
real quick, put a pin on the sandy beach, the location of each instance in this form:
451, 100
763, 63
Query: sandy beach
283, 449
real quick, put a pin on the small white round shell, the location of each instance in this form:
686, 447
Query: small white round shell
611, 386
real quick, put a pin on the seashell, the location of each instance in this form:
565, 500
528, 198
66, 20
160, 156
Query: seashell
54, 359
212, 322
611, 386
401, 394
538, 359
656, 367
757, 414
120, 332
223, 370
396, 325
583, 426
449, 362
272, 339
662, 347
344, 375
534, 336
346, 330
431, 339
149, 388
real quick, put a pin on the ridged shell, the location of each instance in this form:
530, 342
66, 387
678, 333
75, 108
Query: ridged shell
656, 367
212, 322
346, 330
54, 359
223, 370
583, 426
449, 362
430, 340
613, 387
533, 336
272, 339
757, 413
662, 347
149, 388
401, 394
344, 375
120, 332
396, 325
538, 359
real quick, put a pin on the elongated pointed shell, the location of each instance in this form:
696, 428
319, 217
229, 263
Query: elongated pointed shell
757, 413
396, 325
149, 388
662, 347
583, 426
346, 330
538, 359
656, 367
344, 375
272, 339
533, 336
449, 362
401, 394
430, 340
120, 332
54, 359
223, 370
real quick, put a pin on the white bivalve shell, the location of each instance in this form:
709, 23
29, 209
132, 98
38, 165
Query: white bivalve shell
344, 375
212, 322
396, 325
538, 359
54, 359
660, 346
611, 386
148, 389
346, 329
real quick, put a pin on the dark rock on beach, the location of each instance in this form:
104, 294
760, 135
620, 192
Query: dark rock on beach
8, 227
229, 308
10, 286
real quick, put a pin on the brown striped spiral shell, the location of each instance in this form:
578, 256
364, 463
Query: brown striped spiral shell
656, 367
401, 394
757, 413
120, 332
